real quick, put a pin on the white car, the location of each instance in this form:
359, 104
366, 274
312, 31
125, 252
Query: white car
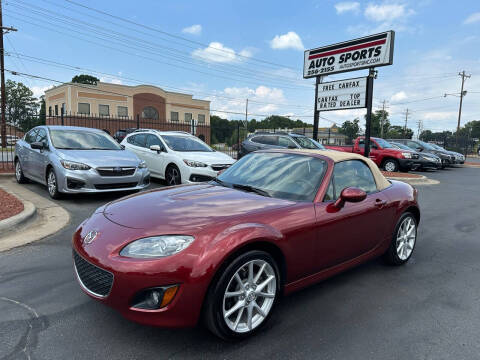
176, 156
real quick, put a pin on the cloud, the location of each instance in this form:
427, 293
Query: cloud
39, 90
473, 18
290, 40
217, 52
343, 7
193, 30
440, 115
111, 80
399, 96
387, 12
262, 100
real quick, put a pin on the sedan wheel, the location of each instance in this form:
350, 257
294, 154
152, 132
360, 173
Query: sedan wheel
403, 241
390, 166
173, 176
52, 185
242, 299
19, 173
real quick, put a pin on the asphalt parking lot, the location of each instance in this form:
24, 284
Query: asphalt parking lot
428, 309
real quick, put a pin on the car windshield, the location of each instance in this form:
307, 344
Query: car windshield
185, 143
427, 145
383, 143
285, 176
307, 143
82, 140
401, 146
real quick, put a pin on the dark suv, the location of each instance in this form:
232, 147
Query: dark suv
278, 140
421, 146
120, 134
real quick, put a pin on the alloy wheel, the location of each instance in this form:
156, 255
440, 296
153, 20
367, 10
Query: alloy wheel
173, 176
390, 166
406, 237
249, 296
18, 171
52, 183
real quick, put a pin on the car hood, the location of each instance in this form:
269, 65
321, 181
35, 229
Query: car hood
423, 154
99, 158
209, 158
187, 209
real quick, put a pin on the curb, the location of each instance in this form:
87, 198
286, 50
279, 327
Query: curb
50, 217
29, 211
7, 174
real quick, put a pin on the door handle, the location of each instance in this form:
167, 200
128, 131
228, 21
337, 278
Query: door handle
380, 203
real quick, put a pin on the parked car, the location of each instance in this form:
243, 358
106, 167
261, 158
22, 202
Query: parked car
120, 134
424, 161
421, 146
224, 251
176, 156
278, 140
72, 159
382, 153
459, 158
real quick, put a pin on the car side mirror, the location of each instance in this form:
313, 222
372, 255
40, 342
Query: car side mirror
419, 148
37, 145
291, 147
350, 194
156, 148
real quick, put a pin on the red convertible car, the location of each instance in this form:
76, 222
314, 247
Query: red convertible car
225, 251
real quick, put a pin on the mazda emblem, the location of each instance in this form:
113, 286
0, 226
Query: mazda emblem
90, 237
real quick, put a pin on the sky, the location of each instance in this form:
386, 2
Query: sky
230, 51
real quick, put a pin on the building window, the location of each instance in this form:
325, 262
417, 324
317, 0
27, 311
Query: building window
201, 118
84, 108
122, 111
56, 109
188, 117
49, 111
103, 110
63, 108
174, 116
149, 112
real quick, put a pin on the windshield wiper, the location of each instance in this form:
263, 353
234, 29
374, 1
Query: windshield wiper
220, 182
251, 189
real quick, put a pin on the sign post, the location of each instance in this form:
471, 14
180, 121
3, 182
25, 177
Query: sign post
362, 53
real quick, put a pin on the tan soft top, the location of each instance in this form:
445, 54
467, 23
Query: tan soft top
337, 156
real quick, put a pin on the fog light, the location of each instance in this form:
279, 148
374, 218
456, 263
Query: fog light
154, 298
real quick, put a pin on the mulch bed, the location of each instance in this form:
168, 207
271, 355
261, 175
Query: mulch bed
9, 205
401, 175
472, 163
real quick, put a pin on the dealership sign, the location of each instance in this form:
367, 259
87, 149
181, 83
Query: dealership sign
342, 94
367, 52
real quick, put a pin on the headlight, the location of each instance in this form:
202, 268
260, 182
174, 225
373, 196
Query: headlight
142, 165
194, 163
157, 246
72, 165
430, 159
407, 155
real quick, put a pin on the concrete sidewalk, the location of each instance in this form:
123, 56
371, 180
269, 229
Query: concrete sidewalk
50, 217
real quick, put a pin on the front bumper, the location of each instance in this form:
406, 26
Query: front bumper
427, 164
406, 164
90, 181
191, 175
132, 276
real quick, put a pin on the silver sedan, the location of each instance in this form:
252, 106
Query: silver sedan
77, 160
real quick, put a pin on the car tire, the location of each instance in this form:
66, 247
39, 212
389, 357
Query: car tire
172, 175
52, 185
390, 165
21, 179
403, 240
227, 294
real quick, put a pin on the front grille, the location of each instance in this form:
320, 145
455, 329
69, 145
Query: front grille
115, 186
200, 178
116, 171
218, 167
95, 280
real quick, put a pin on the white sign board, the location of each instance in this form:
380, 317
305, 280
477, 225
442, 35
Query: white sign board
371, 51
342, 94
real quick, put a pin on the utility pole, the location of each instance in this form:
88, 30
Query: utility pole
420, 126
462, 94
382, 121
4, 30
406, 121
316, 112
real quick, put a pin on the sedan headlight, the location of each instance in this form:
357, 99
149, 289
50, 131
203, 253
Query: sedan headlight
193, 163
72, 165
430, 159
157, 246
142, 165
407, 155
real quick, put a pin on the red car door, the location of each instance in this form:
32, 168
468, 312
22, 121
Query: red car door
356, 228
